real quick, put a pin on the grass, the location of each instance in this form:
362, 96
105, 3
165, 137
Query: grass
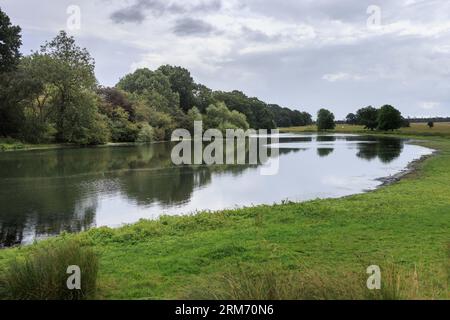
441, 129
9, 144
272, 283
308, 245
42, 273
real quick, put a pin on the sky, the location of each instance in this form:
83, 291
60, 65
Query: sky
302, 54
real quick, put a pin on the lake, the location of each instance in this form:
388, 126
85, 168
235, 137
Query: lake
43, 193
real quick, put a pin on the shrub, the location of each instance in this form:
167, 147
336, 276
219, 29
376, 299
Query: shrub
42, 274
145, 133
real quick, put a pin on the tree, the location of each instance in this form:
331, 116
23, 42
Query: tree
368, 117
72, 74
351, 119
256, 111
9, 44
11, 114
203, 97
154, 87
122, 130
430, 124
389, 118
325, 120
218, 116
192, 116
182, 83
113, 98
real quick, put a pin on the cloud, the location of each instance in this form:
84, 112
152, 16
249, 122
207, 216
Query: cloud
299, 54
429, 105
192, 27
137, 12
340, 76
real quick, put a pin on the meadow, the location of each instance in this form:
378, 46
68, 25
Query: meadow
440, 129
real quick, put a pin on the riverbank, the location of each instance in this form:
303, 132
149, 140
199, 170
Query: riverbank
14, 145
405, 224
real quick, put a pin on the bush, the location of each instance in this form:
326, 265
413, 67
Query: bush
42, 275
145, 133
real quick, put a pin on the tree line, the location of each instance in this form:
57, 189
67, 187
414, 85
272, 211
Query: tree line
384, 118
52, 95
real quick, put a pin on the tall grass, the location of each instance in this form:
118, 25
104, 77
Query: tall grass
269, 283
42, 274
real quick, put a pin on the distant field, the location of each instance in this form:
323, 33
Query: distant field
440, 129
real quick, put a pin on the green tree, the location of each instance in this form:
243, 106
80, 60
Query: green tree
389, 118
154, 87
71, 72
351, 119
256, 111
218, 116
203, 97
193, 115
11, 114
325, 120
182, 83
368, 117
122, 129
146, 133
9, 45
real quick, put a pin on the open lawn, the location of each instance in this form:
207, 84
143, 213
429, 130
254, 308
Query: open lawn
403, 227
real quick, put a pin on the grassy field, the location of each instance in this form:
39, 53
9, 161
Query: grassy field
441, 129
404, 228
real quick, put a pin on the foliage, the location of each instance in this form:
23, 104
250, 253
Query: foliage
351, 118
257, 113
122, 129
181, 83
218, 116
389, 118
53, 96
146, 133
325, 120
285, 117
9, 44
11, 115
42, 274
192, 116
368, 117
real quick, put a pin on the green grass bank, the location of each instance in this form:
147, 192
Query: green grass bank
404, 228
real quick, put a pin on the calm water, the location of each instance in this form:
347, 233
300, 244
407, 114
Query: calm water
43, 193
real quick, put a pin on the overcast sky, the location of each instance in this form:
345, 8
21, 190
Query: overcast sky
303, 54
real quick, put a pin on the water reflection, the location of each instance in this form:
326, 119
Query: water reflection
323, 152
46, 192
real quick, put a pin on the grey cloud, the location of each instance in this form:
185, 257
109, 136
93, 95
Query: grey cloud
255, 35
189, 26
137, 12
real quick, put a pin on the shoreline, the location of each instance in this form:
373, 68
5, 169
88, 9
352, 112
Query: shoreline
407, 222
412, 167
